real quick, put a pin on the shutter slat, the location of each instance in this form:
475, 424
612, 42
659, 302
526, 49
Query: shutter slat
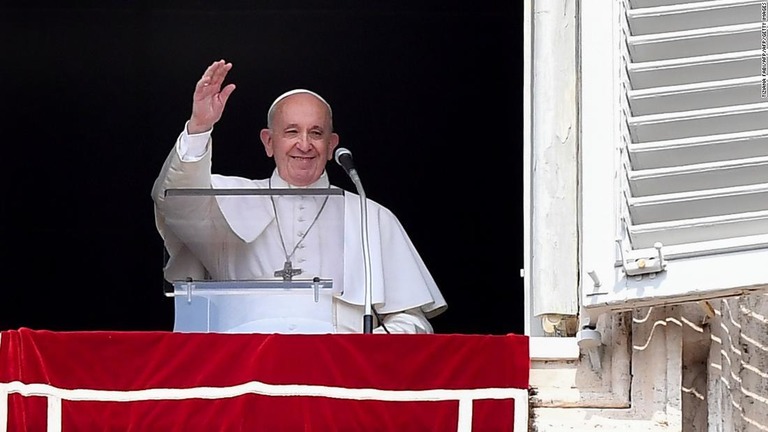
690, 16
699, 149
697, 177
690, 43
637, 4
698, 229
686, 70
710, 121
695, 96
699, 204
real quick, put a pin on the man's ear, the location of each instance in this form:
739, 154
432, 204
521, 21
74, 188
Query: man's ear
266, 139
333, 144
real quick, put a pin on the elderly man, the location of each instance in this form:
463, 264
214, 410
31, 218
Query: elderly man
243, 242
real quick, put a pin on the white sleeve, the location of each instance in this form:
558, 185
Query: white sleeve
192, 147
409, 321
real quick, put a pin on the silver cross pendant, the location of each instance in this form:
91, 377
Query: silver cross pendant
288, 272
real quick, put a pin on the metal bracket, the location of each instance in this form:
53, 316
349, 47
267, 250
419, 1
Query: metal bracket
189, 286
589, 340
596, 284
639, 262
316, 288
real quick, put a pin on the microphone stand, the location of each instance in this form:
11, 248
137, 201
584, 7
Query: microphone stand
368, 315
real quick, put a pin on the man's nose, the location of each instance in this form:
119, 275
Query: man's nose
304, 142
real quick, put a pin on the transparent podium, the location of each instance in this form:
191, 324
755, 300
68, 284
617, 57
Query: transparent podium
254, 260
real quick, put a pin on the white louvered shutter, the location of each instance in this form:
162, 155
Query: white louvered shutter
692, 157
696, 140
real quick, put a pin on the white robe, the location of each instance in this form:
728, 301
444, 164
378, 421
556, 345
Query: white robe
249, 247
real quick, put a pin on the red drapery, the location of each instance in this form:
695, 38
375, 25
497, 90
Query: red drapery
163, 381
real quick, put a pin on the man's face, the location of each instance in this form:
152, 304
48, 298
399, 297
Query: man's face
300, 140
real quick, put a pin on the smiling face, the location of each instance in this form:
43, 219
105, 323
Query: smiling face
300, 138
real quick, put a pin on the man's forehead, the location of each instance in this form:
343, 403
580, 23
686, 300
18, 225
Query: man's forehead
294, 92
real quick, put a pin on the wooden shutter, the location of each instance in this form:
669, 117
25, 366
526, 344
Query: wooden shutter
674, 152
694, 127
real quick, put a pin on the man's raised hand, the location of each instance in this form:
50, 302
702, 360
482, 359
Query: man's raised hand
210, 98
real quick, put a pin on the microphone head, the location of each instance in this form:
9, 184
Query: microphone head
340, 151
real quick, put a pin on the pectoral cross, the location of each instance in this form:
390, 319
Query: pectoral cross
288, 272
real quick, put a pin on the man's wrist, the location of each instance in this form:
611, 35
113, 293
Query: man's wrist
194, 128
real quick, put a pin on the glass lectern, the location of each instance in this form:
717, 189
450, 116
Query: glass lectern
270, 260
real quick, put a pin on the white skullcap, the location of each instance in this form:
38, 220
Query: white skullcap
271, 111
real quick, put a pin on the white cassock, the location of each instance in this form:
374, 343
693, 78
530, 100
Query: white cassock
237, 238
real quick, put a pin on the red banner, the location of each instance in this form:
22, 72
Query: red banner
163, 381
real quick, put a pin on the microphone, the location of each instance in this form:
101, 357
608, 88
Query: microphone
343, 157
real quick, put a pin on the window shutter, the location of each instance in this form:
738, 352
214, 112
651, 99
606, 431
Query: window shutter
674, 152
694, 127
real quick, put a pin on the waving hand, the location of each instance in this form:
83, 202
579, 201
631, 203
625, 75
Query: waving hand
210, 98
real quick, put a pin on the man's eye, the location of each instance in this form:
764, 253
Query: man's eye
291, 132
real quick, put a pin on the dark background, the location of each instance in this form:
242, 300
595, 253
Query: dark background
426, 95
